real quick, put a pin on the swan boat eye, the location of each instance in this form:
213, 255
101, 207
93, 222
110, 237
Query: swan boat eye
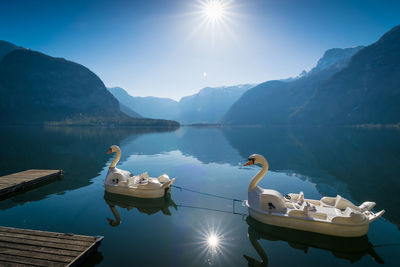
251, 159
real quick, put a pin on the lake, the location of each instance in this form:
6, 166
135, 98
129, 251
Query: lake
194, 229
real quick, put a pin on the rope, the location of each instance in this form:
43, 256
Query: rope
206, 194
211, 209
386, 245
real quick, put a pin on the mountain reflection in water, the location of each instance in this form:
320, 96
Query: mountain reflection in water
203, 230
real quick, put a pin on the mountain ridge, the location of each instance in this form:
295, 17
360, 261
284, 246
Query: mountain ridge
273, 102
206, 106
367, 91
39, 89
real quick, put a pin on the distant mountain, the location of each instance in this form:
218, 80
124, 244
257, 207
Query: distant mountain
36, 88
207, 106
334, 58
210, 104
129, 111
274, 102
367, 91
149, 107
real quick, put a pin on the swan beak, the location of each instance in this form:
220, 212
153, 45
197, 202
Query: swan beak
109, 151
249, 163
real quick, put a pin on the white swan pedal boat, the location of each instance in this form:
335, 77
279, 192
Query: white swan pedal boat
334, 216
142, 186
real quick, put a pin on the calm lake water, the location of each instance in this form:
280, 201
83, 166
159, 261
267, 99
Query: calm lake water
192, 229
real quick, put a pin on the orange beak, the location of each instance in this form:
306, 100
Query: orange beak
249, 163
109, 151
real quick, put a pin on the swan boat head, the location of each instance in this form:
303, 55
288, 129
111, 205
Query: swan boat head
113, 149
257, 159
260, 197
115, 175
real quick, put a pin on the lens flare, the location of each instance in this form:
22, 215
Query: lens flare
213, 241
214, 10
213, 20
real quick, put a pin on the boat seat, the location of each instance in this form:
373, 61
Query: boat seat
144, 175
328, 201
349, 216
299, 202
338, 202
294, 197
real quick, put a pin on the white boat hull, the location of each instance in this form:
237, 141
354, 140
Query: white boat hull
140, 193
335, 216
308, 224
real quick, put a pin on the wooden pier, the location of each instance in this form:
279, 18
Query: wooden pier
21, 247
21, 180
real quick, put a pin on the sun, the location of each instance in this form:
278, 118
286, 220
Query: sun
213, 19
214, 10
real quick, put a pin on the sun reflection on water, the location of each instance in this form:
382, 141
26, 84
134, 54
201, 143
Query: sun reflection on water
212, 241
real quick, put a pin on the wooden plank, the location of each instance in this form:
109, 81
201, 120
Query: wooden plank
46, 239
12, 183
12, 264
49, 234
28, 261
40, 243
35, 255
24, 247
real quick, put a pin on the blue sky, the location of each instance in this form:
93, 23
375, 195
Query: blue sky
162, 48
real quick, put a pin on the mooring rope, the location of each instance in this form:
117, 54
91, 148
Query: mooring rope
206, 194
211, 209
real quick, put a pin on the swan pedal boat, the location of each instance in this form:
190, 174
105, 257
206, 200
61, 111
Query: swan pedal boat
334, 216
141, 186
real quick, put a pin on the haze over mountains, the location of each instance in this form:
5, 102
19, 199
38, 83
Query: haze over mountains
273, 102
36, 89
367, 91
151, 107
207, 106
362, 86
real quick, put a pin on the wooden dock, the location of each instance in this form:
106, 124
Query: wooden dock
21, 180
21, 247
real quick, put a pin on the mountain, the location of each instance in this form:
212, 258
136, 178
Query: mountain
334, 58
129, 111
210, 104
6, 47
207, 106
36, 88
274, 102
149, 107
124, 101
367, 91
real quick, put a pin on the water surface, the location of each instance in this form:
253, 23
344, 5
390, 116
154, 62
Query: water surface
194, 229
